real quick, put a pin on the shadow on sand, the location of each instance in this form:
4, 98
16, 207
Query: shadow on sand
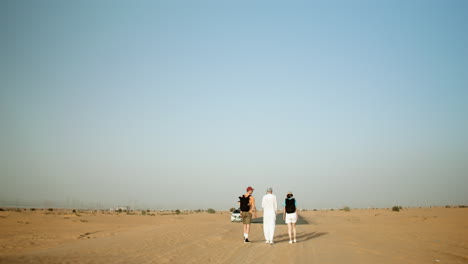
300, 236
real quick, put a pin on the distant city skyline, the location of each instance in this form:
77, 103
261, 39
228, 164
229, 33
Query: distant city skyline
183, 104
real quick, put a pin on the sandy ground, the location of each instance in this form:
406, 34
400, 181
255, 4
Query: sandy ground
419, 235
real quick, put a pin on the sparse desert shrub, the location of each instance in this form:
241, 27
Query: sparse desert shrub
346, 208
232, 209
1, 209
33, 209
447, 206
120, 210
177, 211
315, 209
210, 211
18, 210
332, 210
396, 208
143, 212
50, 209
74, 211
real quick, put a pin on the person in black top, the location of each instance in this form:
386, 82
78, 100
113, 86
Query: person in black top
247, 207
290, 215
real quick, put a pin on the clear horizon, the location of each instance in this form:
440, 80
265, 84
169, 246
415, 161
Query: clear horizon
77, 204
181, 104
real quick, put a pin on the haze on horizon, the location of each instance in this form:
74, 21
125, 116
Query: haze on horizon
183, 104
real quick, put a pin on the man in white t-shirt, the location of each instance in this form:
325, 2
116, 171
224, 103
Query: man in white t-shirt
270, 207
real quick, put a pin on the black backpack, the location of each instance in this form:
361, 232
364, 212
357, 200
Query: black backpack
244, 203
290, 206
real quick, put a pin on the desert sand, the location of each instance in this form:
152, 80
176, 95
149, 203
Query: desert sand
414, 235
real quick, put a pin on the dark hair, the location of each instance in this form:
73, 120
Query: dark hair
289, 195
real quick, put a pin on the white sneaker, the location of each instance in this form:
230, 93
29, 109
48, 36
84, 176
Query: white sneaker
295, 241
290, 241
267, 242
271, 243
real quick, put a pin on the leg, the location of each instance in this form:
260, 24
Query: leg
246, 217
294, 231
272, 230
269, 225
289, 231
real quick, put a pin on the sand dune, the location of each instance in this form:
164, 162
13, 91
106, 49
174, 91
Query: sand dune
422, 235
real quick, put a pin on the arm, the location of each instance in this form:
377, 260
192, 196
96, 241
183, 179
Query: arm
284, 211
253, 209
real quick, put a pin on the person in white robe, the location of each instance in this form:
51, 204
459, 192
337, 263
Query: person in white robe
270, 207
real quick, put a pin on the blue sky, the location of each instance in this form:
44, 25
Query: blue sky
173, 104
